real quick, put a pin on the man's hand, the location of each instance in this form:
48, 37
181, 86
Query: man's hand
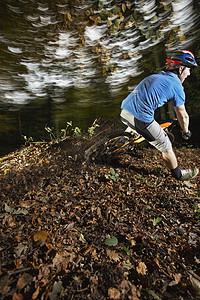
186, 135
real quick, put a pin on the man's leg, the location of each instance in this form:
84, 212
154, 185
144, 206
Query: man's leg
129, 120
170, 159
171, 162
158, 138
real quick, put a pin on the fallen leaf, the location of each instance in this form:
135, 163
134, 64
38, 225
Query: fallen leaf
141, 268
99, 212
113, 255
8, 208
17, 296
157, 262
113, 241
35, 294
177, 277
44, 271
123, 7
135, 293
195, 282
82, 239
24, 280
69, 17
9, 220
56, 290
41, 235
113, 293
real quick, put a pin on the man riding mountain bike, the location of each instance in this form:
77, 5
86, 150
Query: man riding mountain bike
153, 92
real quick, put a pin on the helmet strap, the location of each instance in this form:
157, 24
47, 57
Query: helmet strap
180, 73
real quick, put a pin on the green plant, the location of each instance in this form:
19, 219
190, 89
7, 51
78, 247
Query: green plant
156, 221
50, 131
112, 241
112, 175
77, 131
64, 133
27, 140
128, 252
197, 210
91, 130
144, 180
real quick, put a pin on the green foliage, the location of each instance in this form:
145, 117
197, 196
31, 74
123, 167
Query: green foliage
91, 130
69, 131
156, 221
126, 250
27, 140
197, 210
77, 131
112, 175
145, 180
112, 241
65, 133
50, 131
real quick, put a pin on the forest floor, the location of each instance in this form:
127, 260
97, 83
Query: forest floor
72, 229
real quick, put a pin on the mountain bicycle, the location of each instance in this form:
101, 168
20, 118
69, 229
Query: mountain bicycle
121, 143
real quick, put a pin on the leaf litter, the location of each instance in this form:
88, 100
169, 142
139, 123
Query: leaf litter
71, 229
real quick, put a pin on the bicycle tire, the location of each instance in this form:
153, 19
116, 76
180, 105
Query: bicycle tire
92, 152
118, 143
171, 136
109, 146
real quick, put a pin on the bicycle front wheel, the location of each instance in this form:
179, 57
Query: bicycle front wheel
110, 146
118, 143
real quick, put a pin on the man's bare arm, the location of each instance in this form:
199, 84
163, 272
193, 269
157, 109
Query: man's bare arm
182, 117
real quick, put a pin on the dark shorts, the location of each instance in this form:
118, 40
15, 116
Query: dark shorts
152, 132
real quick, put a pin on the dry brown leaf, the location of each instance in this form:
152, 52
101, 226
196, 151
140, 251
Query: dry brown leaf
135, 293
35, 294
128, 4
17, 296
99, 212
113, 255
43, 272
69, 17
157, 262
195, 282
94, 253
123, 7
24, 280
113, 293
124, 285
141, 268
9, 221
177, 277
41, 235
61, 261
58, 259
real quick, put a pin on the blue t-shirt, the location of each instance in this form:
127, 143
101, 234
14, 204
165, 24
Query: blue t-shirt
153, 92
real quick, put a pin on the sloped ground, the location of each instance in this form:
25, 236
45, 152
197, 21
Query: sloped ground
71, 229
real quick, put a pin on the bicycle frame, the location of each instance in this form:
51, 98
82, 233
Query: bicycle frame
136, 138
164, 126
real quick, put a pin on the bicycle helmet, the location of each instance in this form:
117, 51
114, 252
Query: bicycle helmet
181, 58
